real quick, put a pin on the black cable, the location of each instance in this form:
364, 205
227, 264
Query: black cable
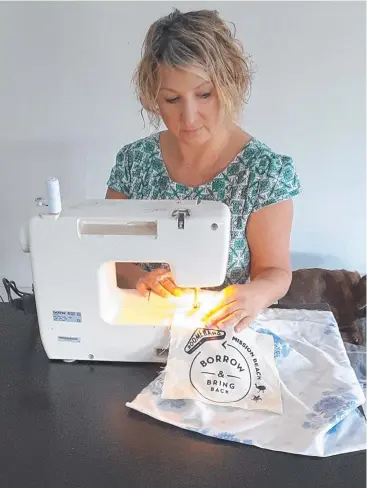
24, 301
10, 286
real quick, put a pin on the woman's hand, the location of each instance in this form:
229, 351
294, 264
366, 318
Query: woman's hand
159, 281
268, 234
238, 309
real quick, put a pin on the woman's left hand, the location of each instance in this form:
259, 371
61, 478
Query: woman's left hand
238, 309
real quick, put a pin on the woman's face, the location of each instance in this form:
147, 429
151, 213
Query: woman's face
188, 104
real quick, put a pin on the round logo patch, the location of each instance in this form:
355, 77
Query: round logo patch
223, 368
220, 373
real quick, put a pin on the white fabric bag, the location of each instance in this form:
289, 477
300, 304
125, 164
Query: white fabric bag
220, 367
320, 394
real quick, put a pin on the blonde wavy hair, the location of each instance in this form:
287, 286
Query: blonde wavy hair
194, 39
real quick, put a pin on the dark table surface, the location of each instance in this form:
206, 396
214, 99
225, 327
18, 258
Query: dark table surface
66, 425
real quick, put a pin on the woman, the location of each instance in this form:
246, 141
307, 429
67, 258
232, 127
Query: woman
194, 77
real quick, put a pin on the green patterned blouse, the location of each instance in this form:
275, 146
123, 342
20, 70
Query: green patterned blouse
255, 178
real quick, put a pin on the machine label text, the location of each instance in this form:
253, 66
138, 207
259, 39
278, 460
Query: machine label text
61, 316
68, 339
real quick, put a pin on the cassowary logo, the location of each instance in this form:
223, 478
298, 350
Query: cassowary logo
260, 388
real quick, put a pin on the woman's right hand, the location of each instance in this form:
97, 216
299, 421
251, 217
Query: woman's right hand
159, 281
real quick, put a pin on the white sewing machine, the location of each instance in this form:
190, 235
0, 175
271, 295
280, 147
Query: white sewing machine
82, 314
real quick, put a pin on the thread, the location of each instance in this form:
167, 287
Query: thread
53, 196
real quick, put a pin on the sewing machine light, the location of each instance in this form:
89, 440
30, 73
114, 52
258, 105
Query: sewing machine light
191, 318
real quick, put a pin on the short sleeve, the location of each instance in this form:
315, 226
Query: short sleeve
278, 183
120, 176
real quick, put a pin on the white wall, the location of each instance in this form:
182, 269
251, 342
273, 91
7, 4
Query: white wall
67, 106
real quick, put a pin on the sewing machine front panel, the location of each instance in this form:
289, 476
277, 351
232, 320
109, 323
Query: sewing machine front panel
82, 313
148, 234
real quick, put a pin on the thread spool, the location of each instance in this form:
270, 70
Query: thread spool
53, 196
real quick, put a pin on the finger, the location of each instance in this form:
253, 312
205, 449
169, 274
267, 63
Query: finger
161, 274
233, 319
243, 323
164, 277
142, 288
229, 297
170, 286
219, 313
159, 289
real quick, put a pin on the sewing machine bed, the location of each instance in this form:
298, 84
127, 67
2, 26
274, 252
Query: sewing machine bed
66, 425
